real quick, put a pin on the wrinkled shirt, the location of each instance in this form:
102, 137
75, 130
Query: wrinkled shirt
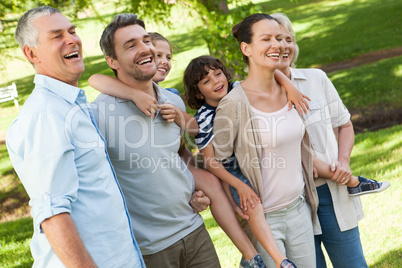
326, 113
60, 157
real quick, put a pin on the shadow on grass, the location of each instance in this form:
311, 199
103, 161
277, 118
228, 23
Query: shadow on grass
187, 41
320, 23
17, 234
390, 259
16, 231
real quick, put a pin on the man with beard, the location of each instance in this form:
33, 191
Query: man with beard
144, 152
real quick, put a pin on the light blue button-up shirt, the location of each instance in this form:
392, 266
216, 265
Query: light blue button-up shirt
60, 157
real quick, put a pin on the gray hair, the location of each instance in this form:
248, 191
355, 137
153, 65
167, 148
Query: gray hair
285, 22
122, 20
27, 34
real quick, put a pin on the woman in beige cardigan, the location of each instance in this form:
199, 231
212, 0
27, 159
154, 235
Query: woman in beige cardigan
269, 141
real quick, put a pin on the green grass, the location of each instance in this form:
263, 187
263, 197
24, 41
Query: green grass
375, 155
330, 31
15, 238
370, 85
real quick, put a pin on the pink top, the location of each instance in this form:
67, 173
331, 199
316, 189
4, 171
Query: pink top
281, 135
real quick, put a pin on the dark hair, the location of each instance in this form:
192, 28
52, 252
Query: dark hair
243, 31
196, 70
107, 39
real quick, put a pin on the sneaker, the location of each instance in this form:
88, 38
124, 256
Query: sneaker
367, 186
255, 262
286, 263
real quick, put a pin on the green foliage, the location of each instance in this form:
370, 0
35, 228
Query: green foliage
157, 10
217, 33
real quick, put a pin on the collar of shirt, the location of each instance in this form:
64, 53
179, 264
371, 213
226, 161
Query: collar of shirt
67, 92
210, 107
296, 74
159, 90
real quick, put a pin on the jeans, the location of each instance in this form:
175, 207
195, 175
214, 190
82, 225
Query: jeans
344, 248
233, 168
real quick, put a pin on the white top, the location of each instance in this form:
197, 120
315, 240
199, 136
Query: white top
327, 112
281, 136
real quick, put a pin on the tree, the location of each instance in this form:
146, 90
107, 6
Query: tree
215, 16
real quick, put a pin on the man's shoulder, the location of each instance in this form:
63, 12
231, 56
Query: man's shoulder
44, 101
308, 73
104, 98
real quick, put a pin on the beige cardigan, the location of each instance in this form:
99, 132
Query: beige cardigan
234, 133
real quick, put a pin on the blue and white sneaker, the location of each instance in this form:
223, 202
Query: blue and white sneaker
367, 186
286, 263
255, 262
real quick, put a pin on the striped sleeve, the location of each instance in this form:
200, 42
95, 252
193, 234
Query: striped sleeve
205, 119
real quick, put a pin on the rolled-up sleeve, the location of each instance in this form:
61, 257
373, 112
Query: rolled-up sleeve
43, 157
225, 129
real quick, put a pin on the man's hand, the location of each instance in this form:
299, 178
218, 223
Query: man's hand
199, 201
342, 173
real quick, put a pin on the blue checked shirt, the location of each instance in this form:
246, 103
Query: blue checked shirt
60, 157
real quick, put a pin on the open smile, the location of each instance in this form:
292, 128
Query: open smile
218, 89
73, 55
144, 61
273, 55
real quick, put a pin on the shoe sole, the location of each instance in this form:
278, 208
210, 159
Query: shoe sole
383, 187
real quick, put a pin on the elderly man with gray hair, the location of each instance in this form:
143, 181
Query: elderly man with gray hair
79, 213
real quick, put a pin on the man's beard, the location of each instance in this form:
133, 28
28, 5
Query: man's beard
140, 75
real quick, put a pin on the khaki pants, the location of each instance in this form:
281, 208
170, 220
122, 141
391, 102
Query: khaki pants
292, 228
196, 250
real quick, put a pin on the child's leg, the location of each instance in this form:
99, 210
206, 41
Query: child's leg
367, 186
356, 185
262, 231
222, 211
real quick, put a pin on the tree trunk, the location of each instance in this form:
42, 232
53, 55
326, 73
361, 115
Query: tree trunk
220, 6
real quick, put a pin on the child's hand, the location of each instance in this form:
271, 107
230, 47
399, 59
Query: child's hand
146, 103
246, 195
299, 100
168, 111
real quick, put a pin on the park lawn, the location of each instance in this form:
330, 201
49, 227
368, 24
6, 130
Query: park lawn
376, 155
331, 31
